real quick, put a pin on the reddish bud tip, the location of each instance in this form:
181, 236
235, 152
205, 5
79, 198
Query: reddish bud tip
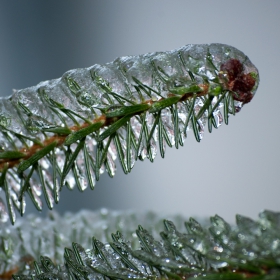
233, 68
241, 84
244, 83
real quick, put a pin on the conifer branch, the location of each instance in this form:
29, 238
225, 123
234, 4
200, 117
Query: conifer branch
41, 249
120, 109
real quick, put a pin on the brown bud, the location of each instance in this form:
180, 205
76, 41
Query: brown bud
233, 68
244, 83
238, 82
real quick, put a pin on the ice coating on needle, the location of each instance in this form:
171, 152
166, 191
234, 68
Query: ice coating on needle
130, 108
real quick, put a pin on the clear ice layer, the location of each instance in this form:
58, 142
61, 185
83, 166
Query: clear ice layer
119, 76
214, 80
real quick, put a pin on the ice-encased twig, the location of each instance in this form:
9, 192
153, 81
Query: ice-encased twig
69, 130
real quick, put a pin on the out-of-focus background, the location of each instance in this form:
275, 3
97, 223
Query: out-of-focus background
235, 169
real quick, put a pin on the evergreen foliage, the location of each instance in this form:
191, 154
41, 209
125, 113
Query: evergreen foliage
190, 250
66, 132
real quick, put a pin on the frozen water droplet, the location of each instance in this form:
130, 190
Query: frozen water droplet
238, 105
60, 158
136, 127
143, 152
4, 120
152, 144
111, 164
217, 112
49, 197
112, 150
23, 205
48, 179
35, 187
90, 172
15, 200
80, 177
13, 180
36, 123
132, 157
4, 217
122, 137
44, 163
153, 148
89, 99
168, 125
36, 192
182, 114
218, 117
10, 205
81, 170
201, 127
102, 169
71, 180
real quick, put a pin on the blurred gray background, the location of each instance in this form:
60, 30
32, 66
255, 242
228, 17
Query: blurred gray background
235, 169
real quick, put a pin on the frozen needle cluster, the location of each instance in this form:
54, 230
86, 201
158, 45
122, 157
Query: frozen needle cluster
103, 245
67, 131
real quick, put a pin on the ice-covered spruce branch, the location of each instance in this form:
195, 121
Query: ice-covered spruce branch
66, 132
112, 245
